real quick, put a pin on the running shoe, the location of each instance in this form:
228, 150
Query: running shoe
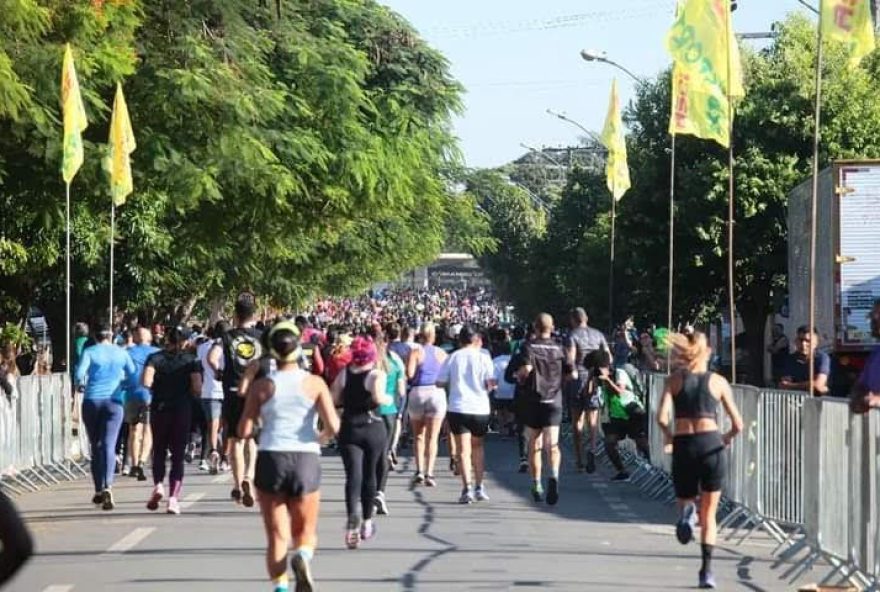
523, 465
156, 497
467, 497
247, 497
235, 494
591, 463
368, 530
203, 466
430, 481
224, 466
707, 580
126, 471
188, 455
621, 477
98, 498
302, 573
214, 462
453, 466
108, 504
173, 506
537, 493
141, 475
418, 479
552, 492
480, 494
352, 538
684, 528
381, 504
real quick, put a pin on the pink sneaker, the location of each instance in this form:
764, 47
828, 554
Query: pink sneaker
158, 494
173, 506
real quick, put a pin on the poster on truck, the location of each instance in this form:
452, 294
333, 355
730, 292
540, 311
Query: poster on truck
858, 254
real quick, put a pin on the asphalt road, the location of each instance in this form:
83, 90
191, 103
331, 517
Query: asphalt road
601, 536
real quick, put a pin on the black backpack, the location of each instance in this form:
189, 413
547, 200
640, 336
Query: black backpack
240, 348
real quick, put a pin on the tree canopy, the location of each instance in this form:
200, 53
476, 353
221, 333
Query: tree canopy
289, 152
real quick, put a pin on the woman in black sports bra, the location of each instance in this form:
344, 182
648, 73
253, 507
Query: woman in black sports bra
698, 459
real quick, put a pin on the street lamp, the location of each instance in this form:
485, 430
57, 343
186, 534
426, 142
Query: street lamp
592, 135
593, 55
541, 153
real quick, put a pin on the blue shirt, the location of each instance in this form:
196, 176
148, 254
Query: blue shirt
870, 378
139, 355
102, 369
798, 366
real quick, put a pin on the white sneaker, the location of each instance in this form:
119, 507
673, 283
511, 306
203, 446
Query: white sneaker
214, 462
203, 466
126, 470
173, 506
480, 494
224, 467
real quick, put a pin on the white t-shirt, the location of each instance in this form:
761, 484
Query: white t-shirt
466, 373
505, 390
212, 390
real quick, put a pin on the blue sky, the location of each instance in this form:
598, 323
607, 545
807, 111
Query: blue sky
518, 58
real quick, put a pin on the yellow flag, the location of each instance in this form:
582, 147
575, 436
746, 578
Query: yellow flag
849, 21
122, 144
707, 69
614, 140
75, 121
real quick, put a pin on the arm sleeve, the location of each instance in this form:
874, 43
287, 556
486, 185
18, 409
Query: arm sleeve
85, 360
824, 365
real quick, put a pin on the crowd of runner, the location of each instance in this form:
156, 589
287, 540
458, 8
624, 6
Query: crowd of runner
262, 398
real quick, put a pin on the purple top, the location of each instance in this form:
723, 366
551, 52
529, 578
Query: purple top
870, 377
429, 369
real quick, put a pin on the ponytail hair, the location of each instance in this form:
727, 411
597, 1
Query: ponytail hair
689, 350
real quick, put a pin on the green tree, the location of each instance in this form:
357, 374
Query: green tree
294, 152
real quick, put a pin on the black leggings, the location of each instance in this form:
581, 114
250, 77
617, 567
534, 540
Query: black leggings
390, 422
17, 543
362, 444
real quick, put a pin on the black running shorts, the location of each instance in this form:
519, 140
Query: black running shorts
233, 409
699, 463
290, 474
462, 423
538, 415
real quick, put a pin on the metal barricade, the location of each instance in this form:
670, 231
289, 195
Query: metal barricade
780, 457
36, 432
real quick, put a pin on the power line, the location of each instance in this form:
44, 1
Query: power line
487, 28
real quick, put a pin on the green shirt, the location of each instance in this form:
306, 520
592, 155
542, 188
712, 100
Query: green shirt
395, 373
615, 403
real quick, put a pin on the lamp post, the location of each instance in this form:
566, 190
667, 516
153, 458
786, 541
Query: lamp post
592, 55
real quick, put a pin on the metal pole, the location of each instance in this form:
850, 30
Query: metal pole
730, 209
814, 199
112, 250
611, 269
67, 326
671, 252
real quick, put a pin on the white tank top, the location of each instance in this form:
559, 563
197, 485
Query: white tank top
290, 419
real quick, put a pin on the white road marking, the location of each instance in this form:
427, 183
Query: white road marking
190, 499
58, 588
129, 541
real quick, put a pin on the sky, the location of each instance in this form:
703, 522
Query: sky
518, 58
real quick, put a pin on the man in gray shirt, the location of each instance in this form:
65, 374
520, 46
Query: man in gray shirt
581, 342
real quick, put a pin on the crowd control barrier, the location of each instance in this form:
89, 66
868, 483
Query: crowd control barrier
804, 469
38, 447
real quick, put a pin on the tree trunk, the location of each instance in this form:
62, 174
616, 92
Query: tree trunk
754, 316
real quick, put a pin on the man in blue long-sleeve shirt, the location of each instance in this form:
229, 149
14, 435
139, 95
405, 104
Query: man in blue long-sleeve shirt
101, 370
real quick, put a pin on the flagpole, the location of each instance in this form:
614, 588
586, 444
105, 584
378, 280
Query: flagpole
611, 268
730, 207
112, 249
67, 326
814, 199
671, 251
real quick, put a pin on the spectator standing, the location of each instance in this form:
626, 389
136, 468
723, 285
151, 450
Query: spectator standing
796, 375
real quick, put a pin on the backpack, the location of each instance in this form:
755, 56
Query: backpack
241, 347
635, 377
